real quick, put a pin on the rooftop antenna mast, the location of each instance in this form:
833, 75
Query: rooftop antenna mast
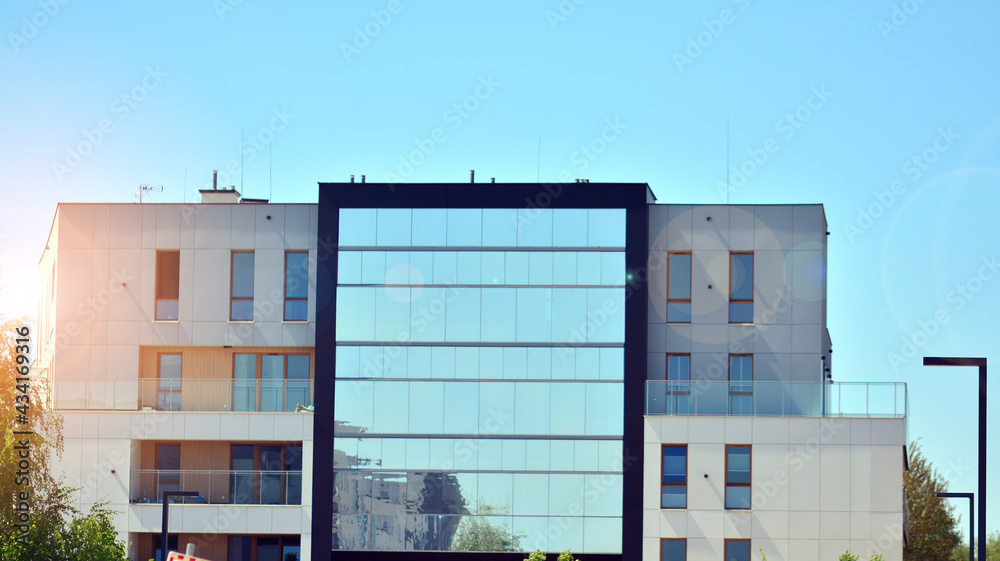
144, 188
727, 160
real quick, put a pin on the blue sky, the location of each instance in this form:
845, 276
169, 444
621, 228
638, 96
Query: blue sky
885, 111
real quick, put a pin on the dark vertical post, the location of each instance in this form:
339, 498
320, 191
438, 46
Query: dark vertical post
981, 363
166, 505
972, 518
982, 460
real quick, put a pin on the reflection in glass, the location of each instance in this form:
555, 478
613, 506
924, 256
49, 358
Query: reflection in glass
245, 382
393, 226
271, 374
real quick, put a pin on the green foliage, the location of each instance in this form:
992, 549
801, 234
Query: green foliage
846, 556
932, 526
57, 531
961, 553
536, 555
476, 533
566, 556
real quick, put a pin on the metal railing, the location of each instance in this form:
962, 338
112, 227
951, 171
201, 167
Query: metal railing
184, 395
253, 487
776, 399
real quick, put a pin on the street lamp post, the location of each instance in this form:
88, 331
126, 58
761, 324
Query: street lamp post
972, 518
981, 364
166, 504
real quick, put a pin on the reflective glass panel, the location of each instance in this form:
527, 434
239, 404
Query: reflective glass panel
296, 275
429, 226
393, 226
242, 275
741, 276
357, 226
606, 227
737, 550
673, 550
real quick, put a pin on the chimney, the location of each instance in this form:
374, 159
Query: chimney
215, 179
352, 178
362, 178
493, 180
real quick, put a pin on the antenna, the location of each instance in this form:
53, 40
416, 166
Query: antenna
269, 171
241, 158
727, 159
185, 192
144, 188
538, 170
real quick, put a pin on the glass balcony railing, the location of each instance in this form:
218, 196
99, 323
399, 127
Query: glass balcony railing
251, 487
776, 399
185, 395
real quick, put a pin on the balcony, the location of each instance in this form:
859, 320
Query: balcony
273, 396
250, 487
776, 399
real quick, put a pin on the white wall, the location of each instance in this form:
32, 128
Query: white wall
105, 286
789, 245
819, 486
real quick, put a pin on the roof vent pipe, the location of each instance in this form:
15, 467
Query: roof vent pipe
472, 176
493, 180
215, 179
362, 178
352, 178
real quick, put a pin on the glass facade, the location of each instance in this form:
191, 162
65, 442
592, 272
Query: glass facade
479, 388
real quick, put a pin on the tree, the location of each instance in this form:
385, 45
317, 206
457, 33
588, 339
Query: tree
961, 553
932, 526
478, 533
37, 522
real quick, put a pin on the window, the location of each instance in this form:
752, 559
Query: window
673, 549
737, 550
270, 382
168, 465
168, 394
264, 548
741, 384
679, 373
679, 287
737, 478
241, 287
168, 275
674, 483
267, 474
296, 285
679, 384
741, 288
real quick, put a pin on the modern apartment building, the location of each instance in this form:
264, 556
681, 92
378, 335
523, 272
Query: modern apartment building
485, 366
180, 339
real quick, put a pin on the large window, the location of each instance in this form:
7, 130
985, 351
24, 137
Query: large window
270, 382
741, 288
168, 274
267, 474
679, 384
741, 384
168, 394
737, 477
679, 287
737, 550
241, 287
674, 482
168, 464
473, 347
673, 549
296, 285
